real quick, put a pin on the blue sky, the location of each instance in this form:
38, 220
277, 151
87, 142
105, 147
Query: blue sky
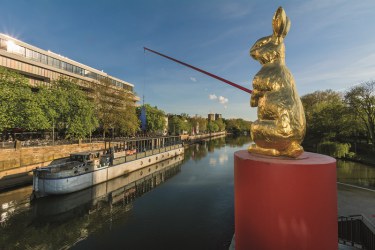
331, 44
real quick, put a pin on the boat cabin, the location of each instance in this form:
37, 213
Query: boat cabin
84, 156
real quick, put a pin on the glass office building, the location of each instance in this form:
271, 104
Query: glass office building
41, 66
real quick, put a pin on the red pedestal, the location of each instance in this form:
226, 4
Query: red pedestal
283, 203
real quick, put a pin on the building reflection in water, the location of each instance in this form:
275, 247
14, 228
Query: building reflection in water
59, 222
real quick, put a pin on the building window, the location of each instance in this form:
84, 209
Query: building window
63, 65
69, 67
56, 63
3, 44
14, 48
29, 53
50, 61
36, 56
43, 59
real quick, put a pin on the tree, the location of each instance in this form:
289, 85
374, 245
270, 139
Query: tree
212, 127
237, 126
178, 124
220, 124
327, 118
115, 109
69, 108
105, 104
198, 124
361, 101
202, 124
155, 119
19, 105
127, 121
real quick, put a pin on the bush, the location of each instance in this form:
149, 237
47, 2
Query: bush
334, 149
351, 155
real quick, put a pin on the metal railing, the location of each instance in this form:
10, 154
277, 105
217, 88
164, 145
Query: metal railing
49, 142
357, 231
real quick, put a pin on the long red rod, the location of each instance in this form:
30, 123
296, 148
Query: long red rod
202, 71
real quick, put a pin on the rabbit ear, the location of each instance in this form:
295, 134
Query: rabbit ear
287, 27
280, 23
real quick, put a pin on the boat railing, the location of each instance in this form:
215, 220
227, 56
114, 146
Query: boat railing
61, 166
140, 155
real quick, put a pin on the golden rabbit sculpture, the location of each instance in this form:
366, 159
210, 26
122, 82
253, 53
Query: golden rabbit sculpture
281, 123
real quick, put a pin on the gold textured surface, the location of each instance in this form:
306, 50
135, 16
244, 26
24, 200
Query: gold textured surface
281, 123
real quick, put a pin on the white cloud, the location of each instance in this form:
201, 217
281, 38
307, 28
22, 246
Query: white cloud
223, 100
193, 79
220, 99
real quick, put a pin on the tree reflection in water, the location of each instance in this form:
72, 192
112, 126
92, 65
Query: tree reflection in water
58, 222
356, 173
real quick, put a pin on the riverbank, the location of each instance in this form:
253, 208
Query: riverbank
364, 159
191, 139
16, 165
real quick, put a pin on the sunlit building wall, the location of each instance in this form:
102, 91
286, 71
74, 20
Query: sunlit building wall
42, 66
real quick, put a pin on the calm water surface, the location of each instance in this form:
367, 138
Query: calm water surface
187, 203
356, 174
183, 203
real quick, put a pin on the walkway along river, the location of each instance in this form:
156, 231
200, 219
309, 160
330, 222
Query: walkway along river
184, 204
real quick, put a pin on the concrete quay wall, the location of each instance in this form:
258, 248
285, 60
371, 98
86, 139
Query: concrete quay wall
41, 156
16, 164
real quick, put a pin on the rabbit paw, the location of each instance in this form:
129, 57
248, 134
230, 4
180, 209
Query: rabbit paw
263, 151
294, 150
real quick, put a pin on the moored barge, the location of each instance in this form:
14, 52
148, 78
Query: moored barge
86, 169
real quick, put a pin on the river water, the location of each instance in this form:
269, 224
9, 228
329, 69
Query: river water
183, 203
356, 174
186, 204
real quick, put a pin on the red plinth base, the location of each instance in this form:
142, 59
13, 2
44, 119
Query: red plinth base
283, 203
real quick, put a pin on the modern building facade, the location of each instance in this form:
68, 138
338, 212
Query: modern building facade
214, 117
42, 67
211, 117
218, 116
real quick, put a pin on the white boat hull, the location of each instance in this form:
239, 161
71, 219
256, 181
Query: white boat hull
63, 185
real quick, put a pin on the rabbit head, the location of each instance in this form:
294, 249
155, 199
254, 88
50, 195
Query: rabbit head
271, 48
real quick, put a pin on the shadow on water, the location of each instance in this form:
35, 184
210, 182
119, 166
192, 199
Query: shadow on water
192, 210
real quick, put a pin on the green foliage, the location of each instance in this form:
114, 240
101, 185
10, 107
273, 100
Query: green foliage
115, 109
237, 126
361, 102
155, 119
63, 106
19, 106
334, 149
220, 123
199, 123
68, 108
332, 117
212, 127
127, 120
327, 117
178, 124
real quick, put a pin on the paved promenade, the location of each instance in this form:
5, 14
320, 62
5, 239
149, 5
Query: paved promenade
353, 200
